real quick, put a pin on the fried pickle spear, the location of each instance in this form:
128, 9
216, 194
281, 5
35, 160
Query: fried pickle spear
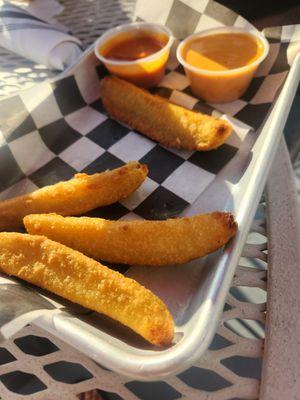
76, 196
75, 277
157, 118
174, 241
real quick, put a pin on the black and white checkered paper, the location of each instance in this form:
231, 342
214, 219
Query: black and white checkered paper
55, 129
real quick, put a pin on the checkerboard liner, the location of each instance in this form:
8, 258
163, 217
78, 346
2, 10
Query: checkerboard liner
57, 128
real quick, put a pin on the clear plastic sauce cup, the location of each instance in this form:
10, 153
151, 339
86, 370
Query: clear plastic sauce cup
144, 71
227, 84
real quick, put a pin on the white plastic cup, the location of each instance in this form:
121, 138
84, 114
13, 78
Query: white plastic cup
221, 86
147, 71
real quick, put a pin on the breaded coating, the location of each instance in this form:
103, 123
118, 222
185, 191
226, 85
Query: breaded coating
157, 118
75, 277
173, 241
74, 197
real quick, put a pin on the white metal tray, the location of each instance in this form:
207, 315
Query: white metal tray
196, 292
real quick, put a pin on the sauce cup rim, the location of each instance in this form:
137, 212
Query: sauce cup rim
208, 32
125, 28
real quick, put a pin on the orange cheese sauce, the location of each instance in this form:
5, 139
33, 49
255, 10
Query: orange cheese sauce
223, 51
133, 46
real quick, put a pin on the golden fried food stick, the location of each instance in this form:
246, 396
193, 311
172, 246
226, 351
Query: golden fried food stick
76, 196
75, 277
174, 241
157, 118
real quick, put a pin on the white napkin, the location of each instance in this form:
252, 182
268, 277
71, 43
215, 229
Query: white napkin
25, 30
